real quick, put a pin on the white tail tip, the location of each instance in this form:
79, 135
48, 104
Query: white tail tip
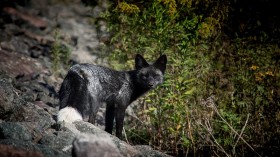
69, 115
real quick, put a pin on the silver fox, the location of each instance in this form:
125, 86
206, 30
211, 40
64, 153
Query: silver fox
87, 86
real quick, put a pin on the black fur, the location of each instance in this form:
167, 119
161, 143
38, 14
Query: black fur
87, 86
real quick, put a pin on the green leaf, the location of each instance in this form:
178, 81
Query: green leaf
189, 92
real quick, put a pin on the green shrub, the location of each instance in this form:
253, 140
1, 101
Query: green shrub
168, 109
60, 54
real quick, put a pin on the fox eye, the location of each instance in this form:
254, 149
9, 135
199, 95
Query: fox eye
144, 76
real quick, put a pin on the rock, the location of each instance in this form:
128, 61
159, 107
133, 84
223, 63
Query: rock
34, 118
81, 128
35, 51
94, 146
29, 146
9, 97
88, 128
8, 151
124, 148
15, 64
15, 131
34, 129
32, 113
47, 107
33, 20
59, 140
32, 91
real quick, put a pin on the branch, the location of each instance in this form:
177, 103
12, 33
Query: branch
216, 110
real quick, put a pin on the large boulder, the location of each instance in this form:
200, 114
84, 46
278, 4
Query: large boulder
60, 140
15, 131
10, 99
95, 146
90, 139
9, 151
30, 146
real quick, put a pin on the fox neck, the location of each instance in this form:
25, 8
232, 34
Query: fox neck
137, 89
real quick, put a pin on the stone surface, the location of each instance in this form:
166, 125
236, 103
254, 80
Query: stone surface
15, 131
94, 146
9, 97
60, 140
32, 113
29, 146
16, 64
8, 151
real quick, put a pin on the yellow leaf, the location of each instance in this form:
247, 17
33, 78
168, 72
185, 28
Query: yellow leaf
178, 127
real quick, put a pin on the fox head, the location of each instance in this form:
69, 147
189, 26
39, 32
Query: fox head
150, 75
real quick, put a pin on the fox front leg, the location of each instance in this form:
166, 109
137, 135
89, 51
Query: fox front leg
119, 116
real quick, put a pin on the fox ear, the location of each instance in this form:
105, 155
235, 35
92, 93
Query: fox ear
160, 63
140, 62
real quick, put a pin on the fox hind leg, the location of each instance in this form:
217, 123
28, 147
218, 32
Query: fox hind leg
109, 118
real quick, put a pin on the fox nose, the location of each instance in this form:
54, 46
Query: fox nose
151, 84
